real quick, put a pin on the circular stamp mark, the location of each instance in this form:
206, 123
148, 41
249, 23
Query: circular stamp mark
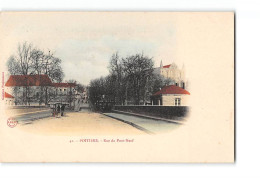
11, 122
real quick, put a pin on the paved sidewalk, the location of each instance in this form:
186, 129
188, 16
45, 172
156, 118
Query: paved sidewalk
148, 125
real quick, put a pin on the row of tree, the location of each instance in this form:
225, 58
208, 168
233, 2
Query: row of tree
131, 80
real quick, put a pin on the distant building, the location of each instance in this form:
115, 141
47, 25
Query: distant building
64, 88
171, 95
172, 72
9, 99
63, 92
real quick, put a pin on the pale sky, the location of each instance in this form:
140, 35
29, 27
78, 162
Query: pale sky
86, 41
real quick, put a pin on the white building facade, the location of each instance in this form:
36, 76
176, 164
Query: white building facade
171, 95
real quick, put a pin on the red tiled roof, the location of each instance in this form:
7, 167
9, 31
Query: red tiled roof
7, 95
64, 84
28, 80
171, 89
166, 66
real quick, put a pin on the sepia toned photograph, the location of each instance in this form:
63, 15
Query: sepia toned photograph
156, 85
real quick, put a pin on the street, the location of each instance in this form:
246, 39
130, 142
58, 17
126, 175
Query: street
80, 123
87, 122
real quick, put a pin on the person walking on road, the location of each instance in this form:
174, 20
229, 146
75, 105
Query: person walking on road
58, 110
62, 109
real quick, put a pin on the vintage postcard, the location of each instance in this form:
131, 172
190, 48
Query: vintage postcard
117, 87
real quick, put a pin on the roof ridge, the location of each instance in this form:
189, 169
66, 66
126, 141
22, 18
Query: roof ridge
171, 89
29, 80
7, 95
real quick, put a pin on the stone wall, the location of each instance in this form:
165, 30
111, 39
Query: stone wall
169, 112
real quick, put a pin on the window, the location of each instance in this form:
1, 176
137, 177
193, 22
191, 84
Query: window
177, 102
64, 89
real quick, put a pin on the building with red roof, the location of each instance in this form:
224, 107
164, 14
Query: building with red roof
171, 95
28, 80
7, 95
28, 89
9, 99
166, 66
37, 90
171, 89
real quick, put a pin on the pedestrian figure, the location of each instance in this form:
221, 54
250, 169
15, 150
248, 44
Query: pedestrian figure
62, 109
54, 111
58, 110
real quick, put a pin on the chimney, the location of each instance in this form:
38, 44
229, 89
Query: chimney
183, 85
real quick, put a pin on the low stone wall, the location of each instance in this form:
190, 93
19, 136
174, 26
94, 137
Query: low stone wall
169, 112
27, 106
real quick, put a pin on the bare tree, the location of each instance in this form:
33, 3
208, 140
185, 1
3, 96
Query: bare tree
24, 61
24, 58
130, 79
138, 68
37, 61
38, 68
116, 70
13, 66
96, 90
52, 67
